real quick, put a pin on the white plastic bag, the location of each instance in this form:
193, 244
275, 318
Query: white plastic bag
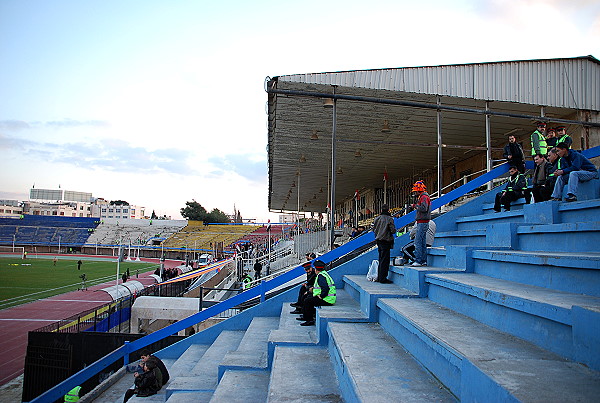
373, 269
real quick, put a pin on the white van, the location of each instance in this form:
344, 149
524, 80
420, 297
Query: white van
205, 259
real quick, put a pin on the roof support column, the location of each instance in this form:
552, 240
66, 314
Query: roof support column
439, 148
332, 196
488, 142
298, 213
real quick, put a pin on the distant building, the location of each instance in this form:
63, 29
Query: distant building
57, 208
106, 210
10, 208
68, 203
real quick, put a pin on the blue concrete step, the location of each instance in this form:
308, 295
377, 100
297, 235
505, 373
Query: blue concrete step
480, 363
588, 190
436, 256
571, 272
488, 208
203, 377
566, 237
519, 309
251, 354
579, 211
290, 333
346, 309
303, 374
372, 367
367, 292
187, 360
413, 278
242, 387
475, 237
183, 397
480, 221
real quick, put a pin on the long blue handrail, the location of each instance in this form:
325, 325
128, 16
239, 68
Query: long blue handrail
123, 352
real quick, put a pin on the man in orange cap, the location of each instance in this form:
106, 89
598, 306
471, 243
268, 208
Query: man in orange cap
423, 207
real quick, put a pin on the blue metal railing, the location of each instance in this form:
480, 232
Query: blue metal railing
123, 352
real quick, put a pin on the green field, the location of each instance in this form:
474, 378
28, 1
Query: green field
23, 281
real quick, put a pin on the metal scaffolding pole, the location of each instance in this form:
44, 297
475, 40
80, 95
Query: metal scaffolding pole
488, 142
439, 148
332, 209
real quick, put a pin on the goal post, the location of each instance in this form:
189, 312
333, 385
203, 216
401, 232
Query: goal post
12, 251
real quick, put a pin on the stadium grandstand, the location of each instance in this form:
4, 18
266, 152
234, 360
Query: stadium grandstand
134, 232
44, 231
260, 236
197, 235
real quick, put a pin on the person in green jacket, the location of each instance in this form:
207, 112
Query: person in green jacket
323, 294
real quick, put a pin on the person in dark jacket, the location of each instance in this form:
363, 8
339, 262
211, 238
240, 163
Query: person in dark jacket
146, 383
514, 190
423, 207
576, 169
513, 152
541, 174
305, 289
146, 356
323, 294
384, 229
551, 137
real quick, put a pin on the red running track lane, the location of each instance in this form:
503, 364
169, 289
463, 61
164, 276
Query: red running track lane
16, 322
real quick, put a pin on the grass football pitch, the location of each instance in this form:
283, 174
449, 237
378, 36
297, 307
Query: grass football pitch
26, 280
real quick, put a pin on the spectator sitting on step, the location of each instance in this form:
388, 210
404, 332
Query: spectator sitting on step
323, 294
146, 383
146, 356
408, 250
514, 190
305, 289
574, 168
541, 192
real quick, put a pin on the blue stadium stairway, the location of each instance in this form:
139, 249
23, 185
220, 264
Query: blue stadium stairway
508, 309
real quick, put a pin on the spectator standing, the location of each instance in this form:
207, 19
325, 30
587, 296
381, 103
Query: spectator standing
423, 207
576, 169
513, 152
514, 190
551, 137
563, 137
540, 176
257, 269
384, 229
538, 140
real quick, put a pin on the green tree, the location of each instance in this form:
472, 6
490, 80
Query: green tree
217, 216
193, 211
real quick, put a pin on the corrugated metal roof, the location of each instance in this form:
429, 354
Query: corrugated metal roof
564, 83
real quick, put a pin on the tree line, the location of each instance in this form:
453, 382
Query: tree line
194, 211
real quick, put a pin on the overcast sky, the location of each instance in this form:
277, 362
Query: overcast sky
161, 102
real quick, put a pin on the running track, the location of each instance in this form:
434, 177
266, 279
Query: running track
16, 322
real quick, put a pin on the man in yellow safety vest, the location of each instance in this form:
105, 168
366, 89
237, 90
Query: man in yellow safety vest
538, 140
73, 395
323, 294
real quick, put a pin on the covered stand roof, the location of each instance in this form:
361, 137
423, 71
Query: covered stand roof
372, 136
